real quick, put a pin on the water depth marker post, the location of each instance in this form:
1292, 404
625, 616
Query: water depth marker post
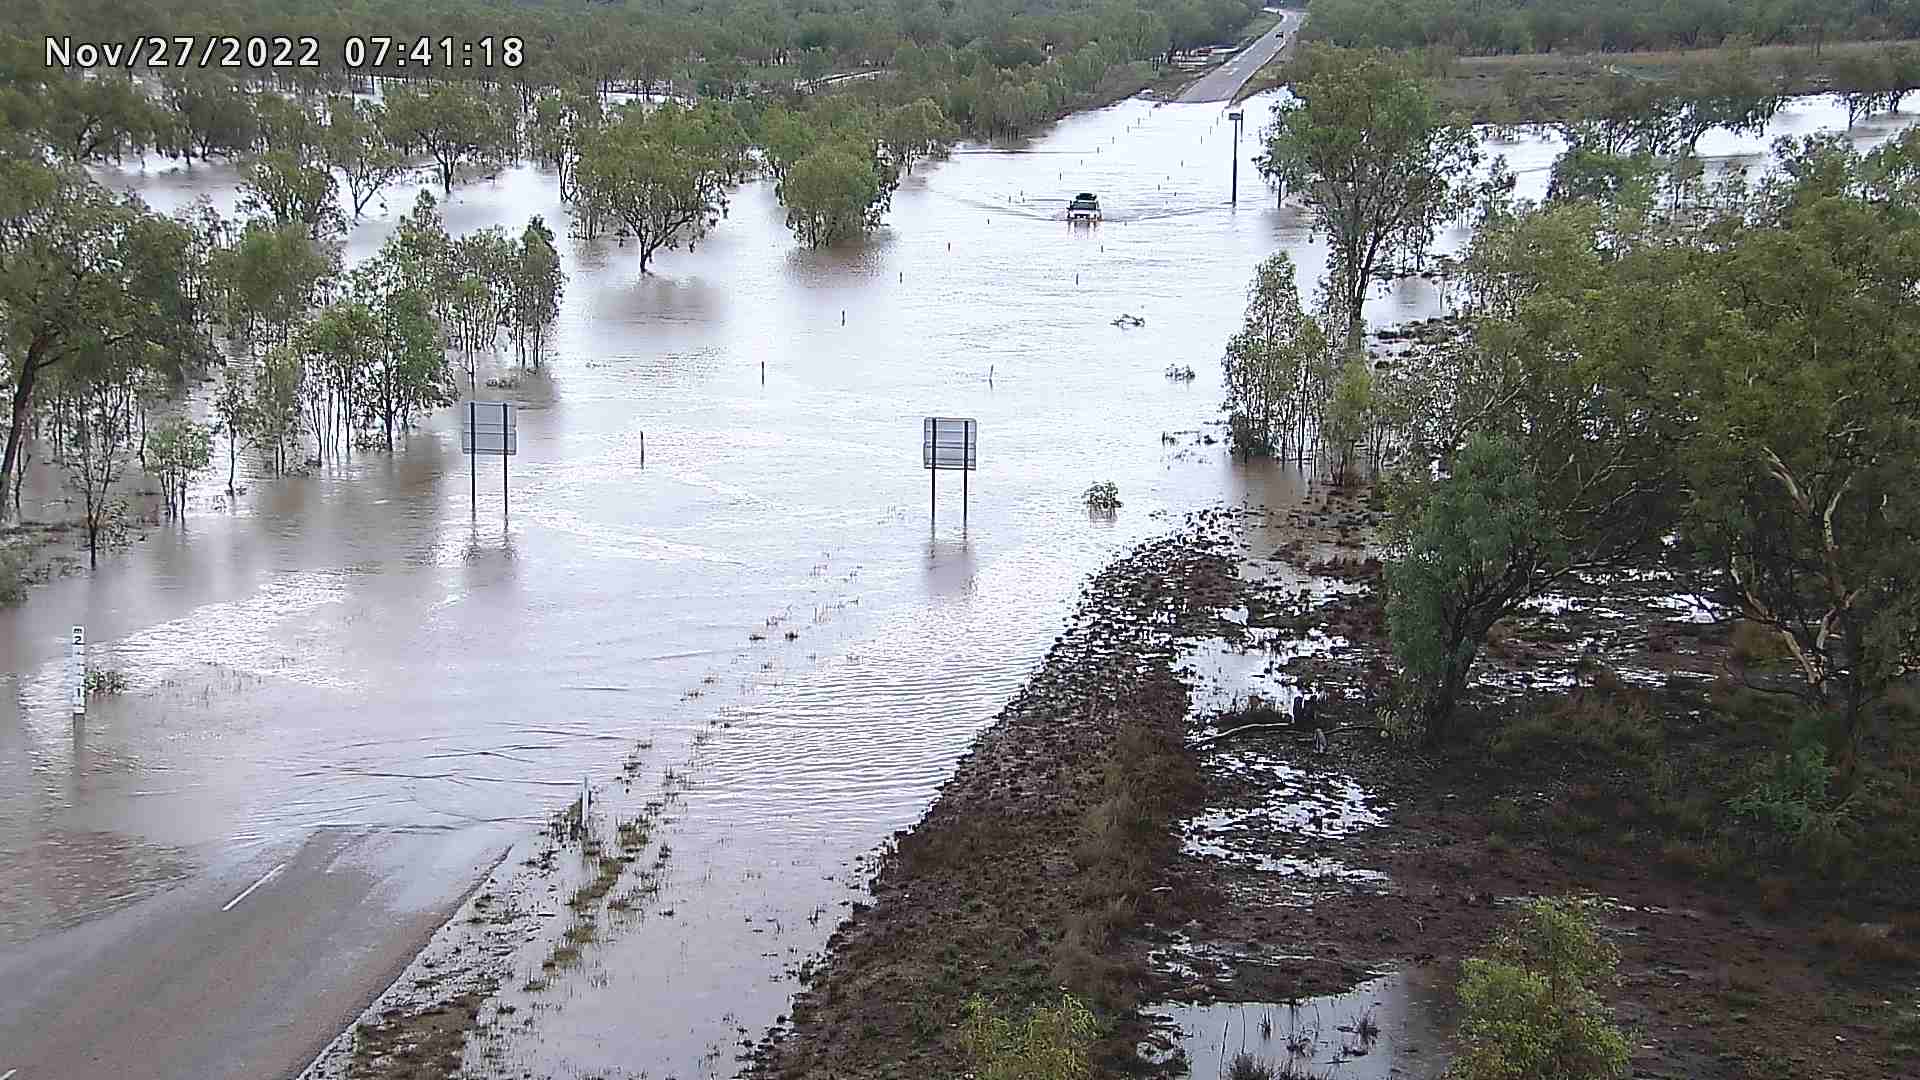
77, 670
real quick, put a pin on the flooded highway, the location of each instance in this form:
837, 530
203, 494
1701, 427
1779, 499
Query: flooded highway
350, 692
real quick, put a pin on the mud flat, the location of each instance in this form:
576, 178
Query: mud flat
1143, 827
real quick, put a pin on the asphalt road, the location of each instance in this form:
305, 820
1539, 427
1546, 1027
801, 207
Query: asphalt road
247, 974
1223, 82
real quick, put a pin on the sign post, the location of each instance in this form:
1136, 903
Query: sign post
949, 442
77, 669
1236, 116
491, 429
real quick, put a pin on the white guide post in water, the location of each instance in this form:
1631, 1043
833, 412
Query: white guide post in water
77, 671
586, 802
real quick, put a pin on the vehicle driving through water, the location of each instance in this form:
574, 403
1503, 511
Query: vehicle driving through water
1084, 207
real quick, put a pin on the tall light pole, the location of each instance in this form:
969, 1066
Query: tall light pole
1236, 116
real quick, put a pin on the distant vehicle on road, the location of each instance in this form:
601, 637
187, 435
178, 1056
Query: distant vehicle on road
1084, 207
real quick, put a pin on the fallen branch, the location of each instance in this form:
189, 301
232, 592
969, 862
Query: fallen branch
1306, 738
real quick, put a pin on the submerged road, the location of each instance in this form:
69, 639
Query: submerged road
243, 975
1223, 82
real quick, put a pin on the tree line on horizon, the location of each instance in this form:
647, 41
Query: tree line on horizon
1496, 27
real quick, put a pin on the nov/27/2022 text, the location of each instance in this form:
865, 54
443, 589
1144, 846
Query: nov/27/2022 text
268, 53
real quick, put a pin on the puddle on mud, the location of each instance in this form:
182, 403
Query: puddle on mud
1223, 675
1388, 1027
1282, 815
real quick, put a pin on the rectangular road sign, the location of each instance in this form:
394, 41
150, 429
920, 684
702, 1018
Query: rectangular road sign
489, 428
950, 442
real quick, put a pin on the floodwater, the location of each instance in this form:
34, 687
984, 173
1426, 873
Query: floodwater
359, 649
1384, 1028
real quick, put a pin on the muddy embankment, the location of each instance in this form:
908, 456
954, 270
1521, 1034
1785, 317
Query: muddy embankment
1042, 853
1144, 827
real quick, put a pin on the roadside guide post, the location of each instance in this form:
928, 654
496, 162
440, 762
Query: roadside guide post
492, 433
1236, 116
949, 442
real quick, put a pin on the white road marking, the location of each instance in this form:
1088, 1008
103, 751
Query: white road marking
231, 904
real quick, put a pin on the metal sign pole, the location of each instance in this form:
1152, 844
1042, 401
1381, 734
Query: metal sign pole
504, 447
966, 466
933, 472
1236, 117
473, 456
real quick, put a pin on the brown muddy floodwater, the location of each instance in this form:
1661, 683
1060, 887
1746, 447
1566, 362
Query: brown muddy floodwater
354, 653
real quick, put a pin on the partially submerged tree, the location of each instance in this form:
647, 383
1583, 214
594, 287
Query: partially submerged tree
537, 285
292, 190
838, 190
657, 172
178, 449
1267, 364
1377, 162
85, 274
458, 124
100, 387
356, 144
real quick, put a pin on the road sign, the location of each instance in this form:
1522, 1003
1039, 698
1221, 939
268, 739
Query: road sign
950, 442
490, 429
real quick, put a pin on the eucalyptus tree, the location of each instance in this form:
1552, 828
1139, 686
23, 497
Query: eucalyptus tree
290, 124
293, 189
180, 449
1803, 510
1379, 166
661, 174
85, 274
406, 370
355, 143
562, 121
275, 408
1268, 364
232, 404
269, 281
915, 131
483, 265
537, 285
459, 125
87, 119
212, 116
337, 344
99, 385
840, 189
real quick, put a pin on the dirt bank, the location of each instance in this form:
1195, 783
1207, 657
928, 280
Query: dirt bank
1041, 853
1262, 869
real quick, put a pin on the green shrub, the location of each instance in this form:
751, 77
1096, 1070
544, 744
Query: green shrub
1792, 799
1051, 1043
105, 681
13, 575
1105, 496
1528, 1007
